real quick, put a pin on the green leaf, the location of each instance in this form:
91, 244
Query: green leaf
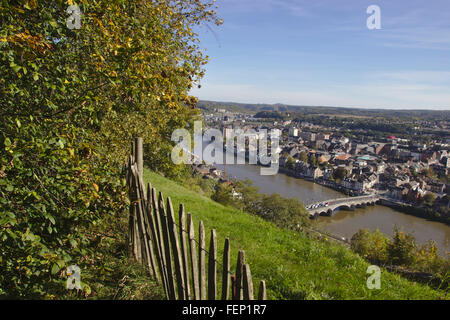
55, 268
52, 220
61, 263
86, 288
73, 243
16, 68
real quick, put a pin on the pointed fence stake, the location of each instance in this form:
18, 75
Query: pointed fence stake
160, 242
183, 243
226, 270
166, 241
248, 283
193, 257
262, 295
178, 261
239, 275
212, 267
201, 261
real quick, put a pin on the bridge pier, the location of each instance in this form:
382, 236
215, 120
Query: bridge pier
314, 216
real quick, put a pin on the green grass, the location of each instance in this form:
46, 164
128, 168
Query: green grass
293, 265
112, 275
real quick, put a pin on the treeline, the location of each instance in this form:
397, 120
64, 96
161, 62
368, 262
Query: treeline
243, 195
270, 115
379, 125
433, 212
71, 100
302, 111
284, 212
401, 250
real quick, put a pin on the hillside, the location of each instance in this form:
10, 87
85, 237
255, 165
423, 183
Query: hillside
293, 265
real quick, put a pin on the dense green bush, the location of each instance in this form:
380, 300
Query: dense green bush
402, 250
284, 212
50, 193
223, 193
370, 245
71, 100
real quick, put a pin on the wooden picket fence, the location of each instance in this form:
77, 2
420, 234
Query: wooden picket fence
169, 249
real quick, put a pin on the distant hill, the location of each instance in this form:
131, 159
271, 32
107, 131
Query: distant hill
326, 110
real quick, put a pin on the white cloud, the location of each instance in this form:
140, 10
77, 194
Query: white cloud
415, 76
417, 37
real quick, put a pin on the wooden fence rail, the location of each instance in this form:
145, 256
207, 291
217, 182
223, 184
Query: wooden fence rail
168, 249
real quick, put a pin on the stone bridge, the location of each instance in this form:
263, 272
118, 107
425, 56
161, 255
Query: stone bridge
328, 207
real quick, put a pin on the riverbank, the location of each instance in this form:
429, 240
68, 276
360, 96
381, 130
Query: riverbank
420, 212
344, 223
293, 174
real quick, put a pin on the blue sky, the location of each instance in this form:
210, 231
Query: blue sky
320, 52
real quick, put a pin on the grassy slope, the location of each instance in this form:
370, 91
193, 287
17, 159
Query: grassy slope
294, 266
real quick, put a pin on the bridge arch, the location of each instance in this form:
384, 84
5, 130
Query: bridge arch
345, 206
325, 212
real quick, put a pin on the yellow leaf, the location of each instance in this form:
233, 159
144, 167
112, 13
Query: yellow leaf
71, 152
30, 5
95, 186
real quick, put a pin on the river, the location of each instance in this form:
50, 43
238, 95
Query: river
344, 223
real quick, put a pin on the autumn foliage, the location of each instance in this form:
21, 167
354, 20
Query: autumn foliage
71, 100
